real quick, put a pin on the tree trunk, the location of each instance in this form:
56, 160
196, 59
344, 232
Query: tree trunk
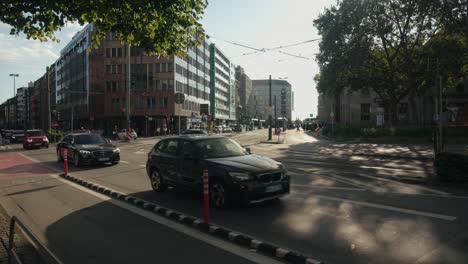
394, 113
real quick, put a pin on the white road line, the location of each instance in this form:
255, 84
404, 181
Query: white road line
390, 169
327, 187
406, 185
355, 183
123, 161
213, 241
390, 208
142, 166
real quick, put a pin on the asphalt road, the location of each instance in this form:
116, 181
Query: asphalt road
342, 209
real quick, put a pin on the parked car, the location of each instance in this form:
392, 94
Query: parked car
123, 134
17, 136
236, 128
194, 132
84, 148
235, 174
35, 138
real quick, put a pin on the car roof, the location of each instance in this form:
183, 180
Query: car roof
194, 137
80, 134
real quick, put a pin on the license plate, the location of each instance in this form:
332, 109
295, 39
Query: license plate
38, 144
103, 159
273, 188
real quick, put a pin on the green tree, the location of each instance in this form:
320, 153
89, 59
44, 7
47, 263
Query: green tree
382, 44
160, 26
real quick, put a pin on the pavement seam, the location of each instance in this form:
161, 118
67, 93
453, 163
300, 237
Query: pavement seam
245, 241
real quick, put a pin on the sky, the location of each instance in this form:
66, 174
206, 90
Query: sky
260, 24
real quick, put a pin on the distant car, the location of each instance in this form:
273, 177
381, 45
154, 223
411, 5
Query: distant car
17, 136
123, 134
227, 129
35, 138
236, 128
84, 148
235, 174
194, 132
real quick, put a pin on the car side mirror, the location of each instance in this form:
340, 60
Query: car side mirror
248, 150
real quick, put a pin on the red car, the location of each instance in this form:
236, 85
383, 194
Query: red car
35, 138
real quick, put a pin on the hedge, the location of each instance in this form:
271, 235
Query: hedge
451, 167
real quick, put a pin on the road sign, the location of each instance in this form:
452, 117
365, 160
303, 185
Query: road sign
179, 98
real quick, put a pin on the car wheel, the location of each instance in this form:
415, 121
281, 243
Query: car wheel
218, 195
59, 156
156, 181
76, 160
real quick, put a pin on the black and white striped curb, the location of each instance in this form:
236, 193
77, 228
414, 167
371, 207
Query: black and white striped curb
220, 232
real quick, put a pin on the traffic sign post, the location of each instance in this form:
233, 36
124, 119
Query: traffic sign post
206, 197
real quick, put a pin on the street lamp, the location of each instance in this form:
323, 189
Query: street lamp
14, 75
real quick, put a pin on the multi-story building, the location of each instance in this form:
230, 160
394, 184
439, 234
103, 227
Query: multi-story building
244, 91
94, 85
259, 100
365, 109
223, 87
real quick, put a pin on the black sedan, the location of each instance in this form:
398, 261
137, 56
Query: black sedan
83, 148
235, 175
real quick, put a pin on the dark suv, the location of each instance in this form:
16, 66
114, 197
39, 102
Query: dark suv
83, 148
235, 174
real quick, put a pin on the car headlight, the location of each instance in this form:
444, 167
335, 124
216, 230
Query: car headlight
117, 150
240, 176
13, 137
85, 152
29, 140
45, 139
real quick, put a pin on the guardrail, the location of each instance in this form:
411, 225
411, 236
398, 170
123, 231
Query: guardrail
43, 251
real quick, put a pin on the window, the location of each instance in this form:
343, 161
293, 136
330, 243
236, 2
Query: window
114, 52
164, 85
108, 86
365, 92
403, 109
108, 52
170, 85
153, 103
187, 148
114, 87
119, 52
170, 67
108, 69
365, 112
170, 148
157, 67
164, 67
158, 85
165, 102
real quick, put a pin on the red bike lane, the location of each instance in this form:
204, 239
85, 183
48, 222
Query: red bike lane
14, 165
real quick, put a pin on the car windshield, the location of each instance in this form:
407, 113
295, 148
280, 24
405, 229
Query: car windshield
219, 148
89, 139
34, 133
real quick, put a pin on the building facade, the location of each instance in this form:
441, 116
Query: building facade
245, 89
365, 109
259, 100
223, 87
94, 85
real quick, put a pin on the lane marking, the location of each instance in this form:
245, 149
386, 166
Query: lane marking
123, 161
391, 169
208, 239
406, 185
142, 166
389, 208
327, 187
354, 182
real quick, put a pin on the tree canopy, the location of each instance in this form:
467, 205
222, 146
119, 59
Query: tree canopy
385, 45
161, 26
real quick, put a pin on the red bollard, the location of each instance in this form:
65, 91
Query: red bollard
65, 161
206, 197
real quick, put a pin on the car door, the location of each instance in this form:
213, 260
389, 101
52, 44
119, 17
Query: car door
189, 165
169, 160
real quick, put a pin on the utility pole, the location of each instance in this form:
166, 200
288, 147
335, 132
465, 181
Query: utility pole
276, 120
48, 101
269, 116
127, 107
14, 121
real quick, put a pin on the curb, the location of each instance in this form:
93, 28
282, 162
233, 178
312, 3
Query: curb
248, 242
393, 156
